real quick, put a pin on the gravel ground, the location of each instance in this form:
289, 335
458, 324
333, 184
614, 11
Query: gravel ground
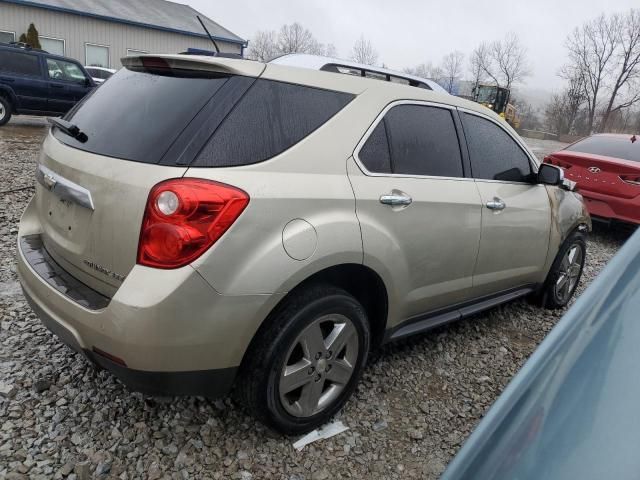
418, 401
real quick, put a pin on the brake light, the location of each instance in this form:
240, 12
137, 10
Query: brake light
630, 179
184, 217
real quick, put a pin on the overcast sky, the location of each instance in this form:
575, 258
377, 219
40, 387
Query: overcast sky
409, 32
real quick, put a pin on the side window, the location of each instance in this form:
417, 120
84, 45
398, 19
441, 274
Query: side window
374, 154
493, 153
271, 117
65, 71
19, 63
424, 141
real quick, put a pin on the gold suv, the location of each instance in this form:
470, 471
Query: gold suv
201, 223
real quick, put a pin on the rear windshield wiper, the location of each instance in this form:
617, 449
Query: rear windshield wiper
68, 128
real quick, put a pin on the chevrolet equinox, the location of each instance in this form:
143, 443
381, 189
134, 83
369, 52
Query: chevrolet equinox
201, 223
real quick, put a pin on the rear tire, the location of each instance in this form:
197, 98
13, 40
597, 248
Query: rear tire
303, 367
565, 273
6, 110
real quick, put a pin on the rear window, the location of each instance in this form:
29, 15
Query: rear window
616, 147
137, 115
188, 118
269, 119
19, 63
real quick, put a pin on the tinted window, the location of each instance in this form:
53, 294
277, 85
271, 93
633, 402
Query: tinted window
617, 147
374, 154
20, 63
137, 115
423, 141
64, 71
493, 153
270, 118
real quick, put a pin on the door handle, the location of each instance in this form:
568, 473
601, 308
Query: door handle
496, 204
396, 199
53, 85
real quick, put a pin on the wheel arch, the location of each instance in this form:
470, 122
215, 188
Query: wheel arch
8, 93
358, 280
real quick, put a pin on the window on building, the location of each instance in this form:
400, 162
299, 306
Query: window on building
65, 71
131, 52
19, 63
52, 45
97, 55
7, 37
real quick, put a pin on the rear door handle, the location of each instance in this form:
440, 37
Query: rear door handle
496, 204
53, 85
395, 199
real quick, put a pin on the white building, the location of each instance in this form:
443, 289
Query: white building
101, 32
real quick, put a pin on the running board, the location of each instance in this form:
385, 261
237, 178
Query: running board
430, 320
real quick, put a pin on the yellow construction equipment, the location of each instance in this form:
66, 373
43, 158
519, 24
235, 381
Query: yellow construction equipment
497, 99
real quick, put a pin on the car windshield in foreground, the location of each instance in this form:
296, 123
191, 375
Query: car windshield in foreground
623, 147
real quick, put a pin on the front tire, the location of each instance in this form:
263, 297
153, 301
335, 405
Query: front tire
5, 110
565, 273
303, 367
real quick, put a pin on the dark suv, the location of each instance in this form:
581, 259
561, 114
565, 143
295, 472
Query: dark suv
34, 82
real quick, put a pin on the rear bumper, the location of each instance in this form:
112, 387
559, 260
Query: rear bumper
173, 332
610, 207
209, 383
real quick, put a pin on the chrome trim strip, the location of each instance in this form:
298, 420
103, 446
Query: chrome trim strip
64, 188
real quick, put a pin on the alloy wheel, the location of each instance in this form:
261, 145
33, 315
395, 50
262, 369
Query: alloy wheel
569, 273
318, 365
3, 111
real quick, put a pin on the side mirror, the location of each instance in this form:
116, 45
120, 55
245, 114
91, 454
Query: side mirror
550, 175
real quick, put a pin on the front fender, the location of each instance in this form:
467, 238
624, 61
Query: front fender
568, 212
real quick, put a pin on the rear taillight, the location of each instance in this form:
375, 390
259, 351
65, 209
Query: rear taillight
184, 217
630, 179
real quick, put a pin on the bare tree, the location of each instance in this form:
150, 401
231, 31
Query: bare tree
452, 69
264, 46
591, 51
564, 108
295, 38
509, 59
477, 62
363, 52
627, 58
426, 70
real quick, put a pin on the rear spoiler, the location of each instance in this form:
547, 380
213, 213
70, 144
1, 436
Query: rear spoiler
199, 63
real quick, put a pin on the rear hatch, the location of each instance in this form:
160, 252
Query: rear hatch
144, 125
600, 174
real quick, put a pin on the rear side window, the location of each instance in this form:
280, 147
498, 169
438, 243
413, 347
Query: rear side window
617, 147
422, 141
138, 115
493, 153
269, 119
19, 63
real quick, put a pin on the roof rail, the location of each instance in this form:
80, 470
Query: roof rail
23, 46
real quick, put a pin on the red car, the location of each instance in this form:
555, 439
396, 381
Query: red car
606, 168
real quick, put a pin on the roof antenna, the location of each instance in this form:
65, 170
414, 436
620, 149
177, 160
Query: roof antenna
210, 37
